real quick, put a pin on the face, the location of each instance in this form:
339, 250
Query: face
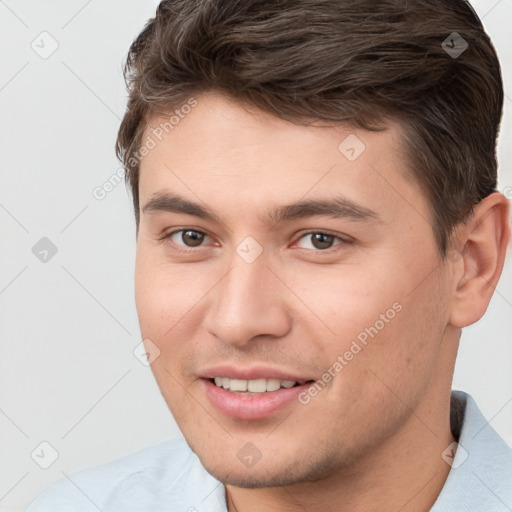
298, 269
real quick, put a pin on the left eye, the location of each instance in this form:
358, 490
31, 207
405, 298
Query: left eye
188, 237
321, 241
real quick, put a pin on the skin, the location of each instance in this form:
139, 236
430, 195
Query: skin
372, 438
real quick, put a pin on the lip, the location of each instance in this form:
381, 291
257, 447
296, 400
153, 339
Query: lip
251, 407
252, 373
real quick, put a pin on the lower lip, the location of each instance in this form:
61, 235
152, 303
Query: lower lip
251, 407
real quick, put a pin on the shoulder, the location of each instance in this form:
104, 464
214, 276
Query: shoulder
138, 479
480, 475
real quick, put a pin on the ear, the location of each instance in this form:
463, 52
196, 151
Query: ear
483, 240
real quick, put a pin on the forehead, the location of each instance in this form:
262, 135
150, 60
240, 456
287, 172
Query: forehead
230, 154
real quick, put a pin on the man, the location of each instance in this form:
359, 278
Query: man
317, 219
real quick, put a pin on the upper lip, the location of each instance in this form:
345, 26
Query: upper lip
251, 373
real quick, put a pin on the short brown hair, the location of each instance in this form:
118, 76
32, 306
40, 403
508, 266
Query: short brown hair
354, 62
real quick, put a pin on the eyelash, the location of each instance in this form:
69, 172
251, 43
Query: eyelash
342, 240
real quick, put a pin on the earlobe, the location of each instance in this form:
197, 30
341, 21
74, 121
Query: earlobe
485, 238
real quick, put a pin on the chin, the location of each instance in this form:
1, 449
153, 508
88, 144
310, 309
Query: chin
273, 473
253, 480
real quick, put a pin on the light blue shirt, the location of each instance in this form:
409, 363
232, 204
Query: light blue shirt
169, 477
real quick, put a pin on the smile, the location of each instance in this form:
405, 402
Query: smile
253, 387
252, 399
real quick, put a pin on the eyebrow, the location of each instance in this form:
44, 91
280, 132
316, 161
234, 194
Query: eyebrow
335, 207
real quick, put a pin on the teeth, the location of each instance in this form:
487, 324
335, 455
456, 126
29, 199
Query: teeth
253, 386
238, 385
273, 384
257, 386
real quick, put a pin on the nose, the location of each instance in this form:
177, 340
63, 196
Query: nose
249, 301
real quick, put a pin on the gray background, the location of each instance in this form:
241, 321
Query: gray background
69, 325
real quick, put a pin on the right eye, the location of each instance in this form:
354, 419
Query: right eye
186, 237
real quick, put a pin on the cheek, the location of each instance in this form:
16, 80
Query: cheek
399, 358
163, 294
348, 301
150, 302
168, 300
385, 334
163, 298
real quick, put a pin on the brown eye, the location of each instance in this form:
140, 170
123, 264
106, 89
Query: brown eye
187, 237
320, 241
192, 238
